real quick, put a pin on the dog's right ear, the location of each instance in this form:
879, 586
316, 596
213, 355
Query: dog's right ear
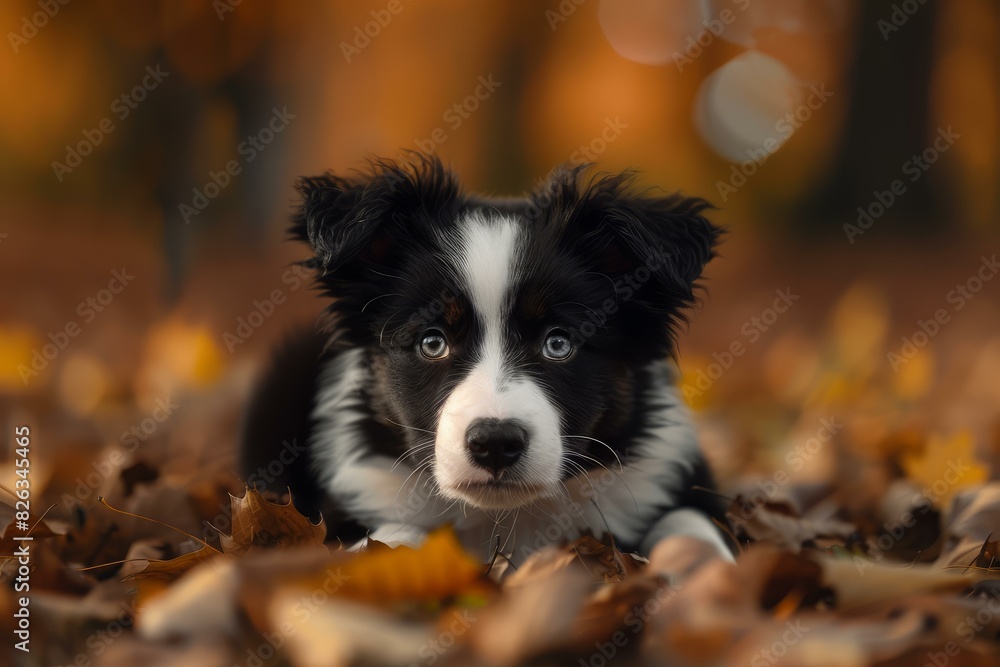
358, 226
330, 219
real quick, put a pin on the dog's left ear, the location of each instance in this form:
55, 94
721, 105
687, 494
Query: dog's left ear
662, 242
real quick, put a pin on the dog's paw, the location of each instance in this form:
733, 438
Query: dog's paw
689, 523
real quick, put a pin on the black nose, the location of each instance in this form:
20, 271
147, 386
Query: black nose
496, 444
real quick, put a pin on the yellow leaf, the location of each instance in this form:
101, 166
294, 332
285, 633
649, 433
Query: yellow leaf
860, 323
16, 345
913, 379
944, 466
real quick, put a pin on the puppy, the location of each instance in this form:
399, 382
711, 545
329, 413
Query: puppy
500, 365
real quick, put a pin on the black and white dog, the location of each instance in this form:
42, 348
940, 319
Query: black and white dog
500, 365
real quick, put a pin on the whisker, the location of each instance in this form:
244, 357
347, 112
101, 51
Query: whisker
410, 452
591, 458
429, 460
410, 427
621, 468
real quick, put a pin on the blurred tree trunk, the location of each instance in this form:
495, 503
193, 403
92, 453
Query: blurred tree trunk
507, 170
887, 123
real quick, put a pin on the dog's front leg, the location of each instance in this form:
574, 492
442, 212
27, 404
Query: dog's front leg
689, 522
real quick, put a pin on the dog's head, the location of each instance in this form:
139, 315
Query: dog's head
506, 336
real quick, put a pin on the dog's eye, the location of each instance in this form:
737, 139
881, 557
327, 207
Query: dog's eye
557, 345
433, 345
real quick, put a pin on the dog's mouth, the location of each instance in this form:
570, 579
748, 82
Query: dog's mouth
498, 494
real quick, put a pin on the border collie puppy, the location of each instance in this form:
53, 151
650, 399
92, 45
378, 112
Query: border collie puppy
500, 365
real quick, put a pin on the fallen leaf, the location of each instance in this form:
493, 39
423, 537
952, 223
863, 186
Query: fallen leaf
529, 622
779, 524
169, 570
259, 523
603, 562
945, 465
972, 519
37, 530
439, 569
202, 605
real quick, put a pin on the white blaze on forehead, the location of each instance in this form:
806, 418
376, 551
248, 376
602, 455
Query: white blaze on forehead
486, 257
487, 263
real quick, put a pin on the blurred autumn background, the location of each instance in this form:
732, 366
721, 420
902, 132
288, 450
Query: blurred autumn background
852, 150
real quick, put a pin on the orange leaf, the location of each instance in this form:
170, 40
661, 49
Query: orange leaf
439, 569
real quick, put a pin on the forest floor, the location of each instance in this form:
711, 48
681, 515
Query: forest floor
847, 397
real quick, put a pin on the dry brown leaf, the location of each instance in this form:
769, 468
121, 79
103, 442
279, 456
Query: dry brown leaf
169, 570
630, 608
779, 524
37, 529
529, 622
203, 605
972, 519
49, 572
988, 558
856, 581
341, 633
910, 520
605, 563
139, 472
259, 523
717, 605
